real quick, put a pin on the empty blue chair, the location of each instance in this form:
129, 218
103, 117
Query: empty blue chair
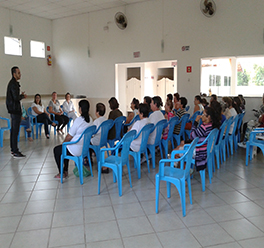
118, 123
165, 143
105, 127
183, 122
144, 133
232, 137
2, 129
176, 176
34, 122
253, 141
192, 119
116, 162
52, 117
86, 135
159, 128
219, 141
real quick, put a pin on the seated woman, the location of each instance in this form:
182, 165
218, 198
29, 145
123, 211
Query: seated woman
197, 104
26, 122
79, 125
54, 108
134, 106
41, 114
68, 107
169, 113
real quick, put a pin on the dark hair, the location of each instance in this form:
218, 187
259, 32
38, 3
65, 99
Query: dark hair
204, 101
143, 109
236, 103
85, 107
13, 70
53, 92
66, 94
113, 103
216, 122
148, 100
214, 96
100, 108
227, 100
216, 106
136, 102
170, 96
183, 101
39, 100
157, 100
198, 98
170, 104
177, 96
242, 99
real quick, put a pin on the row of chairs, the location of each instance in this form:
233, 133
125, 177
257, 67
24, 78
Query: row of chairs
218, 146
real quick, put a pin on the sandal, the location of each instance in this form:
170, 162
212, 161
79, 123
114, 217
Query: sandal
65, 175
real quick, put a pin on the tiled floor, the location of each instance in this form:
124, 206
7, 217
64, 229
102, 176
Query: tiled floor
37, 211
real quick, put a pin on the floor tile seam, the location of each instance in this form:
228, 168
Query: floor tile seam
254, 224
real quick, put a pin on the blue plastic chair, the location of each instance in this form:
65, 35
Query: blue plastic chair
53, 120
70, 119
239, 124
192, 119
34, 122
105, 127
187, 108
183, 122
176, 176
225, 147
86, 135
163, 112
159, 128
232, 137
118, 123
253, 141
144, 133
25, 127
165, 143
2, 129
116, 162
210, 140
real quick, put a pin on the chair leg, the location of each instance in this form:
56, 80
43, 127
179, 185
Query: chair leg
129, 174
202, 174
80, 169
168, 189
157, 192
182, 196
189, 188
137, 160
61, 168
146, 154
247, 154
99, 177
119, 179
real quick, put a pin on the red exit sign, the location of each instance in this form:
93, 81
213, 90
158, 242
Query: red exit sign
188, 69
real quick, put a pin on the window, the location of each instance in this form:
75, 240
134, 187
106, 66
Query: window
13, 46
37, 49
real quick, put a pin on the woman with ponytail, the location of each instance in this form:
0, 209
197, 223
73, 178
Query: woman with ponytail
79, 125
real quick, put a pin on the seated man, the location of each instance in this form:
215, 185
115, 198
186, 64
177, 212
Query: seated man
144, 120
180, 107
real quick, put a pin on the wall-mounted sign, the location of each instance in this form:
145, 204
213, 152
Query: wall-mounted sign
136, 54
185, 48
174, 63
188, 69
48, 48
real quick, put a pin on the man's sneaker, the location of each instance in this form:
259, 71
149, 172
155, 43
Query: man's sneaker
242, 144
18, 155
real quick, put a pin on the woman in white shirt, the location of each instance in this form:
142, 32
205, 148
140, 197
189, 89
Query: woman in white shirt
80, 124
68, 107
41, 114
197, 104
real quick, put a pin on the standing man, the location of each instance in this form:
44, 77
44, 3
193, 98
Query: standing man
13, 106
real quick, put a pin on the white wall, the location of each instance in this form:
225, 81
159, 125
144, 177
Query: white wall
36, 74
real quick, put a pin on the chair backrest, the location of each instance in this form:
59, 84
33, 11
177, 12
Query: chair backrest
145, 131
159, 128
118, 122
188, 157
235, 121
193, 117
239, 123
125, 142
29, 111
105, 127
87, 135
172, 122
183, 121
229, 123
222, 131
8, 123
163, 112
211, 139
187, 108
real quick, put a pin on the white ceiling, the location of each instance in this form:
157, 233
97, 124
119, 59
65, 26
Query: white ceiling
54, 9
